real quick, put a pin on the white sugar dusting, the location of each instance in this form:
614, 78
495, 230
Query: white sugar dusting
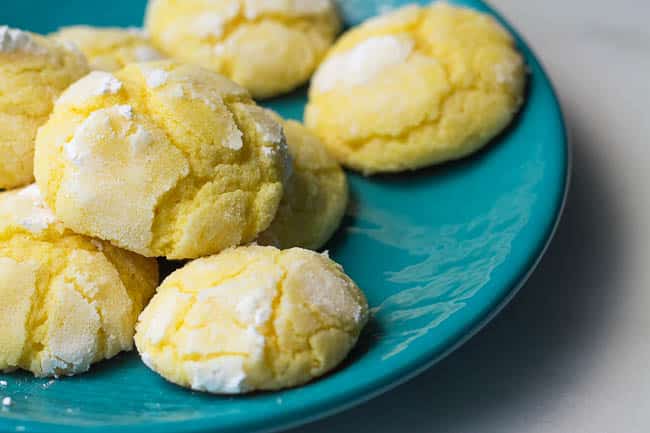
234, 139
256, 8
166, 317
257, 342
140, 140
266, 126
13, 40
31, 210
208, 24
71, 46
221, 375
362, 63
203, 97
146, 358
97, 83
156, 78
108, 84
76, 150
212, 23
68, 352
219, 49
145, 53
505, 72
254, 307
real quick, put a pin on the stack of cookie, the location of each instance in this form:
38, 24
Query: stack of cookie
142, 158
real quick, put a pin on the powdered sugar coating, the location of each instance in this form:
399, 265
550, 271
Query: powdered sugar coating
251, 318
362, 63
14, 40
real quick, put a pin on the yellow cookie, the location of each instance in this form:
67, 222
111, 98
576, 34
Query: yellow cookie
419, 86
162, 159
67, 300
316, 195
109, 49
268, 46
251, 318
33, 72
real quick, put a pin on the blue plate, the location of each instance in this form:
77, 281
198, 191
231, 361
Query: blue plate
438, 252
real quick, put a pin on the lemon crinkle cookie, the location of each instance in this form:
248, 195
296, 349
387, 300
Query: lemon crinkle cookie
418, 86
316, 194
33, 72
111, 48
67, 300
268, 46
251, 318
162, 159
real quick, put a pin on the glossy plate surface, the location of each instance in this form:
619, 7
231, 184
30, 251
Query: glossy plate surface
437, 252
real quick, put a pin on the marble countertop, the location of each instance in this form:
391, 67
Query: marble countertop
572, 352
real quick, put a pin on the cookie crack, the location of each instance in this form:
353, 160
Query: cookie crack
271, 329
230, 27
34, 322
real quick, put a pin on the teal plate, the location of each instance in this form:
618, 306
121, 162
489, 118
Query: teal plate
438, 253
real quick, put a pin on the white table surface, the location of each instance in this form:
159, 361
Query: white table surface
572, 352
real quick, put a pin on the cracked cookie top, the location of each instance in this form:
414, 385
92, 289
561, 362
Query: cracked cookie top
68, 300
109, 48
162, 159
34, 71
251, 318
268, 46
419, 86
315, 198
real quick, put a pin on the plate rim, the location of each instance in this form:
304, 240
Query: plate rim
386, 383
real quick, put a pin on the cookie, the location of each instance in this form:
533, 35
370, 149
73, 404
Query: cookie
269, 47
68, 301
419, 86
315, 198
33, 73
162, 159
251, 318
109, 48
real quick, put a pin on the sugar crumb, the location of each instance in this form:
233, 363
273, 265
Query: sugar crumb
156, 78
108, 84
234, 139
